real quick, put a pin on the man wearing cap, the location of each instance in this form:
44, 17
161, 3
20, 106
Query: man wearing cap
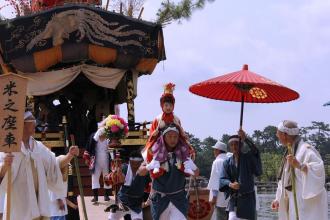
131, 194
35, 170
304, 162
98, 159
237, 177
218, 198
168, 195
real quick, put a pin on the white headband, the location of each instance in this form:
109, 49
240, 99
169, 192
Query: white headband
138, 159
99, 132
27, 115
289, 131
233, 139
170, 129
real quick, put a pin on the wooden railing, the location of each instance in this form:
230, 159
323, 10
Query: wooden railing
53, 139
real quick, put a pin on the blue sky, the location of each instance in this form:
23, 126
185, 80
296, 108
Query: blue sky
286, 41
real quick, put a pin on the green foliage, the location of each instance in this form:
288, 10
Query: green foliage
205, 159
204, 153
171, 11
195, 142
318, 134
225, 138
271, 162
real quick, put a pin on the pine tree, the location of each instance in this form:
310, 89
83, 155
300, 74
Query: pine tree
130, 8
171, 11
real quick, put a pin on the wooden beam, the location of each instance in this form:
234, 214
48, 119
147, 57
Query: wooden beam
107, 5
141, 11
130, 100
133, 142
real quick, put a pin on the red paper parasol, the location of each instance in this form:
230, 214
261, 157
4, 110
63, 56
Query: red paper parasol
244, 86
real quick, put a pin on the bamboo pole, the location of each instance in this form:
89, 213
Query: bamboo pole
293, 181
8, 199
81, 191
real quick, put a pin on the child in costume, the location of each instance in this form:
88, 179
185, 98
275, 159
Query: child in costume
156, 151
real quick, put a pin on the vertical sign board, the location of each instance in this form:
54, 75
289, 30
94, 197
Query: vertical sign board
12, 106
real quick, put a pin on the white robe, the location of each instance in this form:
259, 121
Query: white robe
24, 202
311, 194
102, 164
54, 209
215, 179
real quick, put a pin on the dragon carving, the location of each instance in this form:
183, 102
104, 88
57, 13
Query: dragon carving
87, 24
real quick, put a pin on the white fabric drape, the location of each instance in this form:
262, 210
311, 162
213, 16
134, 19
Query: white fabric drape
25, 203
129, 176
44, 83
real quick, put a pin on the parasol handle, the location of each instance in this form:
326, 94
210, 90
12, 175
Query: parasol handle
239, 142
242, 111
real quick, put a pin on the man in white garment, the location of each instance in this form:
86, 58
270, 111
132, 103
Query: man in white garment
307, 165
35, 170
217, 198
58, 207
97, 148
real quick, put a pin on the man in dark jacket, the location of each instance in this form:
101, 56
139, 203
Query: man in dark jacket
131, 194
237, 177
169, 198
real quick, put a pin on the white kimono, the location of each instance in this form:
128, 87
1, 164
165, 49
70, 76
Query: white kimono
215, 179
311, 194
102, 164
54, 209
26, 204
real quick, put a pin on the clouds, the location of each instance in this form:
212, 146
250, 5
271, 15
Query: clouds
286, 41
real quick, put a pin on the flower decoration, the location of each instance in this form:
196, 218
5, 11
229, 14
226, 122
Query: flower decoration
115, 127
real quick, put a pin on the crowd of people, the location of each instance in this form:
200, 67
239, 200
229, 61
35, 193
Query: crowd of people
156, 176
